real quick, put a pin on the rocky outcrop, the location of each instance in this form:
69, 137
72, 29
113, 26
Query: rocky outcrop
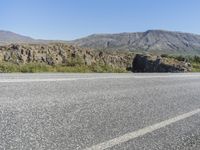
68, 55
150, 63
62, 54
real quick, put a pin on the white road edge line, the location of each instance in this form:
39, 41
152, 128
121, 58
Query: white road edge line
61, 79
141, 132
91, 78
166, 76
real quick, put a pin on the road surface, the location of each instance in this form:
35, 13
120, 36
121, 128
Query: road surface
100, 111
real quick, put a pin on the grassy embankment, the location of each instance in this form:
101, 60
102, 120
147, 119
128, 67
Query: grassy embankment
39, 67
74, 65
78, 67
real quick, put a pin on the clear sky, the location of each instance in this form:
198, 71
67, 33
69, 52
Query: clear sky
70, 19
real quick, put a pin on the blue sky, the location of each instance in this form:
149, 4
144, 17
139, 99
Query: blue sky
70, 19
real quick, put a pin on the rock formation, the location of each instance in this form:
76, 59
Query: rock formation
150, 63
62, 54
68, 55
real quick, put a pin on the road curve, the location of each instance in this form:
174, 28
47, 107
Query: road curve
100, 111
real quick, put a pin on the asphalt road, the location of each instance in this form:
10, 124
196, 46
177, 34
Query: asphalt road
99, 111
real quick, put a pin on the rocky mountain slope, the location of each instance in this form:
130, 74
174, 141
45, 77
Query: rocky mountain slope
157, 41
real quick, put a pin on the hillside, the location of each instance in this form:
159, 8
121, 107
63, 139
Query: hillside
157, 41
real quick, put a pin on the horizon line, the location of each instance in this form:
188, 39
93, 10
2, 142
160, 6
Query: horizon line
102, 33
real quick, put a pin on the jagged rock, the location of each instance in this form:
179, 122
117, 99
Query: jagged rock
58, 53
150, 63
6, 56
64, 54
49, 60
14, 46
100, 54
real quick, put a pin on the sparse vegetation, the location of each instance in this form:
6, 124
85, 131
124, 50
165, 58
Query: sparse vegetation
60, 57
39, 67
193, 60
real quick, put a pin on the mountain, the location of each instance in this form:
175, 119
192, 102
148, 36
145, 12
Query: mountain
154, 41
7, 37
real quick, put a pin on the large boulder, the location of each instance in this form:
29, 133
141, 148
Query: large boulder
150, 63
